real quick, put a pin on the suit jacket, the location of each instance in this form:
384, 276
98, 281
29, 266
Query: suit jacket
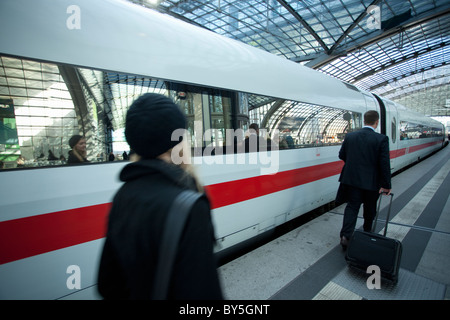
367, 163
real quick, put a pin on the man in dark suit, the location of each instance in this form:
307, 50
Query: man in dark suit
365, 175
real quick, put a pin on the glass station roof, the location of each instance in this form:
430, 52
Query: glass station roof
395, 48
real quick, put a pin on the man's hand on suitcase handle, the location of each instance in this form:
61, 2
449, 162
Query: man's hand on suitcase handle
385, 191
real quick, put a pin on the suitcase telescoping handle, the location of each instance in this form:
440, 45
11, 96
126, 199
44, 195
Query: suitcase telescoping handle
378, 211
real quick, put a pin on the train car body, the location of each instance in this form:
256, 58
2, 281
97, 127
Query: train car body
53, 219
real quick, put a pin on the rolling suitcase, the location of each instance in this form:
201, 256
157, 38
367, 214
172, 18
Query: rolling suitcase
368, 248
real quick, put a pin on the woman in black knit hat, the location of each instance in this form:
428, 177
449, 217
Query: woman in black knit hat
137, 217
78, 153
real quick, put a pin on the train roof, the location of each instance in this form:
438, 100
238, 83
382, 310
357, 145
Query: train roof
409, 115
123, 37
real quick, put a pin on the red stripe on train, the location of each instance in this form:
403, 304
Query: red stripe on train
404, 151
226, 193
30, 236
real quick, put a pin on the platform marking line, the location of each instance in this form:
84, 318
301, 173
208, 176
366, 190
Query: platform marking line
412, 211
333, 291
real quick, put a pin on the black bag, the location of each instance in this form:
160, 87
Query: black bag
368, 248
175, 221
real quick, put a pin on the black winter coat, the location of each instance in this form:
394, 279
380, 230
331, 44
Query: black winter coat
136, 220
73, 158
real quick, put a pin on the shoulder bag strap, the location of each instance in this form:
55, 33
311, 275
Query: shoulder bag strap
176, 219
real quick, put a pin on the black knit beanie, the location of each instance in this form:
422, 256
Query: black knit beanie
150, 122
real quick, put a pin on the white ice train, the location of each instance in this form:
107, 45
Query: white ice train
94, 57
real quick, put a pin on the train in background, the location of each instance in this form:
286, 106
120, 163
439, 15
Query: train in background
53, 218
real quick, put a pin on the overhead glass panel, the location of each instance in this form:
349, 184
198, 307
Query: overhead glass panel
344, 33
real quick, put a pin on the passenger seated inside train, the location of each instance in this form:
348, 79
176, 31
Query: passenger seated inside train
78, 153
254, 142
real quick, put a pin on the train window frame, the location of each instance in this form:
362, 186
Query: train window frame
410, 130
394, 130
315, 121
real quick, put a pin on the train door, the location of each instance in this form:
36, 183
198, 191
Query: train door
392, 131
372, 104
393, 128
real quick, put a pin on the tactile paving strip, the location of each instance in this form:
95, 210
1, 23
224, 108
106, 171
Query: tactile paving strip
410, 286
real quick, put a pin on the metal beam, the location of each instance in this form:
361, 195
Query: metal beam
271, 111
403, 59
304, 23
379, 35
384, 83
352, 26
72, 81
392, 96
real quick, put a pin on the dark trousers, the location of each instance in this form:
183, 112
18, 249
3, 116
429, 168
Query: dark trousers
356, 197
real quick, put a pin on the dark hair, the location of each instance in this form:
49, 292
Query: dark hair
74, 140
370, 117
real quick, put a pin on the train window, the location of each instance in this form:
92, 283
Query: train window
411, 130
438, 132
303, 125
37, 112
42, 105
242, 112
220, 111
394, 130
190, 99
207, 110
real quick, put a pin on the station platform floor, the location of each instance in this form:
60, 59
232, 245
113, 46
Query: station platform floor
308, 263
